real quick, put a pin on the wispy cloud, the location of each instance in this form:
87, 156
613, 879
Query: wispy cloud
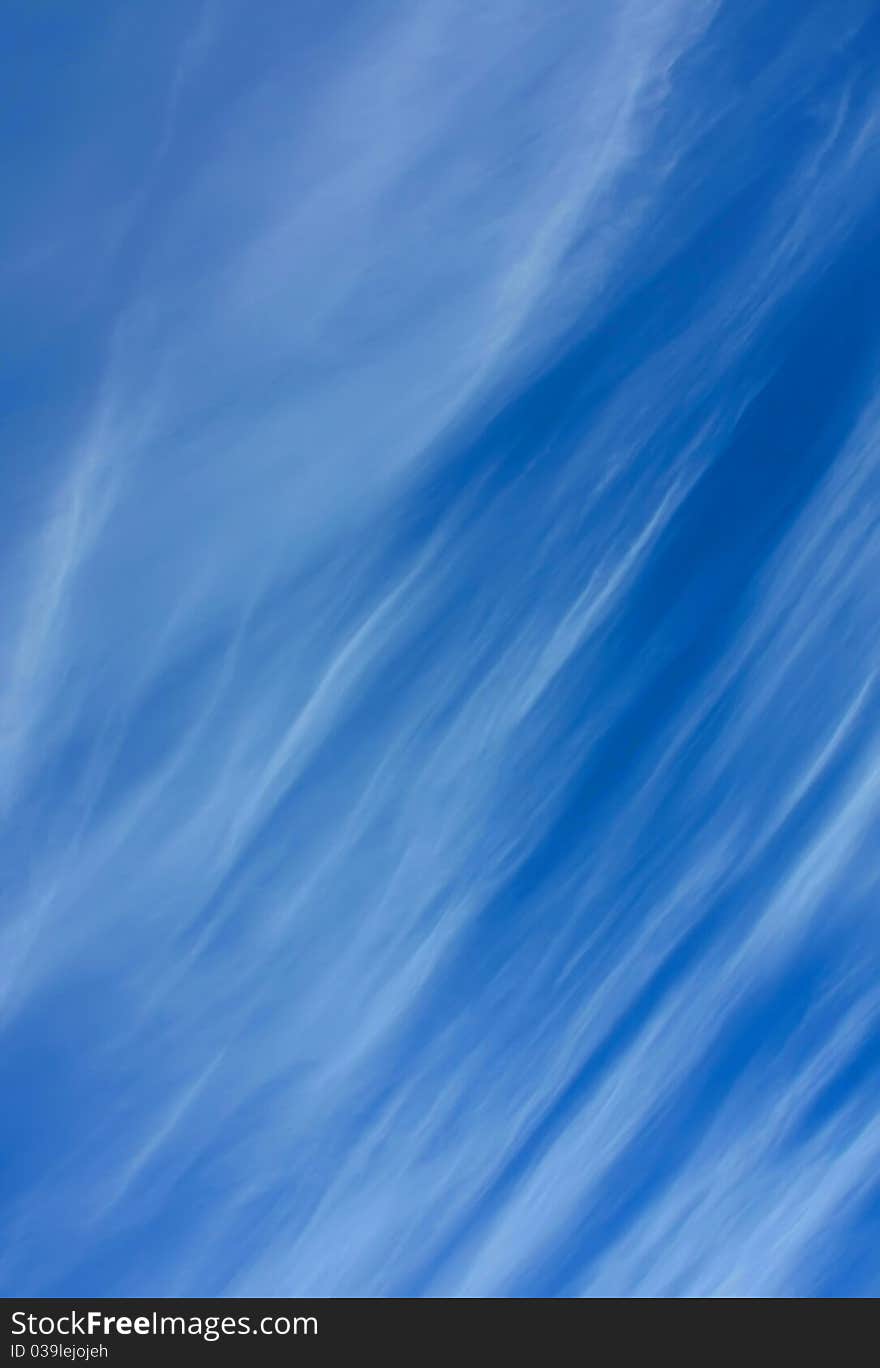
440, 717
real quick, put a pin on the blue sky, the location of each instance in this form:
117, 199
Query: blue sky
440, 722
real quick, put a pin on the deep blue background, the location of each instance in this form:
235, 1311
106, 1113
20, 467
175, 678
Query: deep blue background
440, 649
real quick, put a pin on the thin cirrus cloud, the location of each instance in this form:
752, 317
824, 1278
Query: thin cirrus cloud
440, 715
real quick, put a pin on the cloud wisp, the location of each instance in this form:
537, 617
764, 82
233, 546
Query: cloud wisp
440, 711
